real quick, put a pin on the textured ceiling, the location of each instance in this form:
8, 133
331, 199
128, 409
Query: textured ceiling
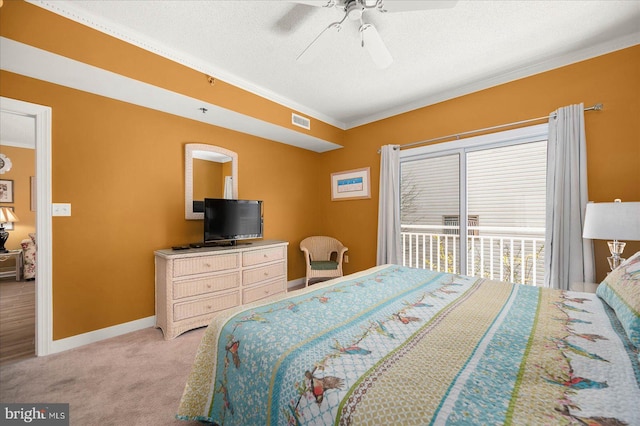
438, 54
17, 130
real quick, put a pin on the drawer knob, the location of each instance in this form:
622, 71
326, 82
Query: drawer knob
208, 265
266, 274
265, 256
208, 307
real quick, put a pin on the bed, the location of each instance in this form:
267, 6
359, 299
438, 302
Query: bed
397, 345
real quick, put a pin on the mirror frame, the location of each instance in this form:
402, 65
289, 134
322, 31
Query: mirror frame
189, 150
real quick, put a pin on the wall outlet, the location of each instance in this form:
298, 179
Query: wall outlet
346, 258
61, 209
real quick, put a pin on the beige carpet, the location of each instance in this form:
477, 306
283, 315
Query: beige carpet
134, 379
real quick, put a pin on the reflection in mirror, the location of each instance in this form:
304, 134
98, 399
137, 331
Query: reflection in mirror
210, 172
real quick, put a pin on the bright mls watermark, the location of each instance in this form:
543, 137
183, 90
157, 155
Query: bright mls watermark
34, 414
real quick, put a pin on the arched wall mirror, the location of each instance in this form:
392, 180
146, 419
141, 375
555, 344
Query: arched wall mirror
209, 172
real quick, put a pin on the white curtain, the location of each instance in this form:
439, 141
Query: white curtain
389, 206
568, 257
228, 187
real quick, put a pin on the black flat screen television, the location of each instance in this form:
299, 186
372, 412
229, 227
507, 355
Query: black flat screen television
231, 220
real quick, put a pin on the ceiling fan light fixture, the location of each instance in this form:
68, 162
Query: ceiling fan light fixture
355, 10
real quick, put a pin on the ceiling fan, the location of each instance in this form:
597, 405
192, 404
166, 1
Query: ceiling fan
369, 37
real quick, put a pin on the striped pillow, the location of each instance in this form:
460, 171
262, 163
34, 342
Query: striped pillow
621, 291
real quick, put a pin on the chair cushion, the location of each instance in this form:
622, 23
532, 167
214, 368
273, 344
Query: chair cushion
324, 265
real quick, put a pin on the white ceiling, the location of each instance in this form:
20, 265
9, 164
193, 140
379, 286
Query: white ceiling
17, 130
438, 54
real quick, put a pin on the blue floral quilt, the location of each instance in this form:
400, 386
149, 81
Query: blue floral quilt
397, 345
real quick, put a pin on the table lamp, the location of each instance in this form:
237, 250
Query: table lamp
6, 216
613, 221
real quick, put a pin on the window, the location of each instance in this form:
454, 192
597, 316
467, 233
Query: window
499, 177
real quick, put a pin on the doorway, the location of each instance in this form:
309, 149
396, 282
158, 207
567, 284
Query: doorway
17, 285
41, 116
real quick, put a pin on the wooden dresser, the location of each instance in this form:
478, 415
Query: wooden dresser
193, 285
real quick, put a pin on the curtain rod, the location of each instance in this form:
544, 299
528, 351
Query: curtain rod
596, 107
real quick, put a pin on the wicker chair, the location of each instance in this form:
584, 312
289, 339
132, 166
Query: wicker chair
324, 257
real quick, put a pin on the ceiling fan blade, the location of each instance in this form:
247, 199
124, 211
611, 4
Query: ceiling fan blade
291, 20
375, 46
317, 3
326, 38
410, 5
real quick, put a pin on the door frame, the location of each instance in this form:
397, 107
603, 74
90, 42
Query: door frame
44, 278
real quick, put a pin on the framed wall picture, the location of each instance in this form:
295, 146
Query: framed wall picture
350, 185
6, 191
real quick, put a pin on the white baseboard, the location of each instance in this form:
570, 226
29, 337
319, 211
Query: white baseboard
97, 335
295, 283
118, 330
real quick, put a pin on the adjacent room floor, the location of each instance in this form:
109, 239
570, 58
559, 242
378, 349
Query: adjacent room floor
17, 320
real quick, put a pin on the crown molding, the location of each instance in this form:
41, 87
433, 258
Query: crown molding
67, 10
506, 77
40, 64
80, 16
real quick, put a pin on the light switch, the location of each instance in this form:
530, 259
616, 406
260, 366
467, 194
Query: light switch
61, 209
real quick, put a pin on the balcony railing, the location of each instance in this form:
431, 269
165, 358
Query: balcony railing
513, 254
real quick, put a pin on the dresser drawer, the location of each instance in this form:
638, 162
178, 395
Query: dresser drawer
200, 265
256, 257
262, 291
262, 273
209, 305
205, 285
193, 286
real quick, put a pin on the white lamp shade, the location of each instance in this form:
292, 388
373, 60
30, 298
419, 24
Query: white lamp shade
7, 215
612, 221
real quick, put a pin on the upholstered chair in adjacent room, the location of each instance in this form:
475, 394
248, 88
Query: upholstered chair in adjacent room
29, 257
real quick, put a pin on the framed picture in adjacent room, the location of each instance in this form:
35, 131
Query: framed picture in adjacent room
6, 191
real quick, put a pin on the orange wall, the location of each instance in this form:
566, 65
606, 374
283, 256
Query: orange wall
122, 166
613, 140
122, 169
